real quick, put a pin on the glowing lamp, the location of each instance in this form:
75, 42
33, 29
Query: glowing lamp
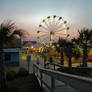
38, 31
48, 17
65, 22
67, 28
68, 35
44, 21
38, 37
60, 18
40, 25
32, 47
54, 16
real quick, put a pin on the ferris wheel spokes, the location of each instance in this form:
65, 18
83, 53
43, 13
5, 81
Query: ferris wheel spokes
53, 27
60, 30
50, 25
43, 31
46, 29
60, 25
58, 21
43, 35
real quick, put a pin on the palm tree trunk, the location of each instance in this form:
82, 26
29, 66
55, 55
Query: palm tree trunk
2, 71
85, 55
62, 58
70, 62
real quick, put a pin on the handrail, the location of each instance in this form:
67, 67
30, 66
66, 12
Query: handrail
36, 68
82, 84
69, 67
79, 70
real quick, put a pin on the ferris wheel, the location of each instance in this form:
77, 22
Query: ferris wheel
52, 28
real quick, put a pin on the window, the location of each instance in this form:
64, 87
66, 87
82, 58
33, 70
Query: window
7, 57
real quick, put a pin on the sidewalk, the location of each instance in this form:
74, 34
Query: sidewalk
59, 86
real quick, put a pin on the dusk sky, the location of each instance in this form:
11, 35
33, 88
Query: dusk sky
28, 14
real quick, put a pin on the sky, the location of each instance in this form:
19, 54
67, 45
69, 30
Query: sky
27, 14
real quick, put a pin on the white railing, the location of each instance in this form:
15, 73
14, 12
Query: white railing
82, 84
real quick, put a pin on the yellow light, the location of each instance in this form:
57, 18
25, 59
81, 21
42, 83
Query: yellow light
23, 57
32, 47
44, 21
65, 22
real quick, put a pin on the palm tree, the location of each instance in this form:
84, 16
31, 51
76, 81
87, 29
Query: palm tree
60, 48
85, 37
7, 32
65, 47
68, 52
76, 51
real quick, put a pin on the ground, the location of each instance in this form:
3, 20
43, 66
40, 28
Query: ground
24, 84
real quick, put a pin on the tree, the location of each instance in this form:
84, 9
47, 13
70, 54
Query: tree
60, 48
65, 47
76, 51
68, 52
85, 37
7, 35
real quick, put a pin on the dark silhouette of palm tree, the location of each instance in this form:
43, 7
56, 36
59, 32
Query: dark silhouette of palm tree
7, 35
60, 48
85, 37
68, 51
76, 51
65, 46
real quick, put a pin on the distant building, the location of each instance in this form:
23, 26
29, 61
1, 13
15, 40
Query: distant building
34, 47
30, 45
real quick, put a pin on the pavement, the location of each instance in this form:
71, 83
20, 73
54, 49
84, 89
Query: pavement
59, 86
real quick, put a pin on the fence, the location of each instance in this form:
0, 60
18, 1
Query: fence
79, 70
82, 84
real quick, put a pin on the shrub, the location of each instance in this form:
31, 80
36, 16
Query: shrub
22, 72
10, 75
12, 88
80, 65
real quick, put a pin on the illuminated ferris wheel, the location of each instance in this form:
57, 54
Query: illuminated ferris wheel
52, 28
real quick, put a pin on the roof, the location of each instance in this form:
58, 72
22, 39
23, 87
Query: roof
15, 50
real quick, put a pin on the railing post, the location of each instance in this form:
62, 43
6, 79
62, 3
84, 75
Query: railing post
54, 66
53, 83
41, 78
33, 69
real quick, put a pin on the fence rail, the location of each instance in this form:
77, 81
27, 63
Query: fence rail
79, 70
82, 84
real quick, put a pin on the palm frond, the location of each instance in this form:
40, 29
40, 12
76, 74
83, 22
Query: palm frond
17, 32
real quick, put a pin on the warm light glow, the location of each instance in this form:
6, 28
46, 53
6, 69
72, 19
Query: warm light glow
32, 47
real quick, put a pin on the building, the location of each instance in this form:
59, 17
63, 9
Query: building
12, 56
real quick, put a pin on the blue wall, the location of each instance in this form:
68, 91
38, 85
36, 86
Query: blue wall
15, 57
15, 60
